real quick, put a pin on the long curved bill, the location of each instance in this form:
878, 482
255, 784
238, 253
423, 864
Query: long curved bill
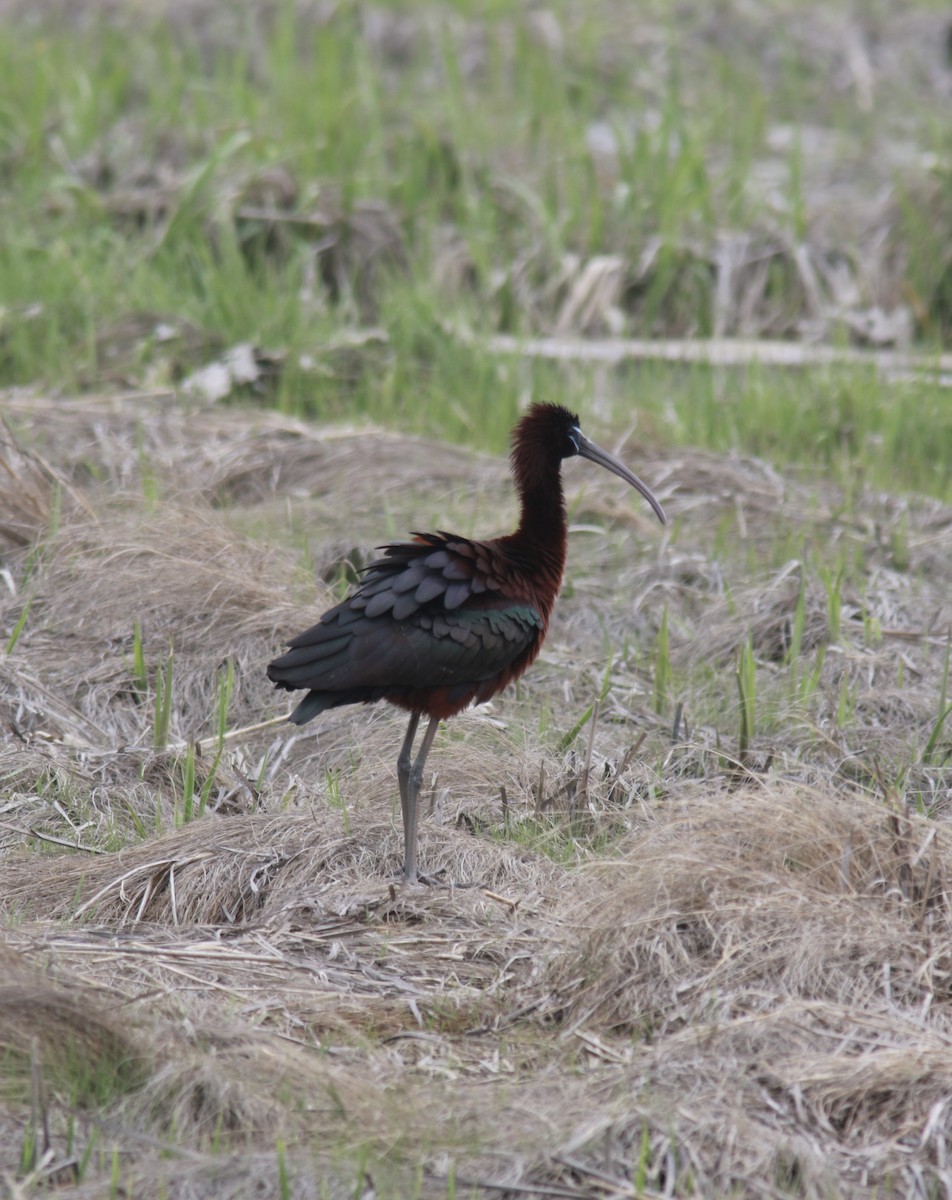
588, 449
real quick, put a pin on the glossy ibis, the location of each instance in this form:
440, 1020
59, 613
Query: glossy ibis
442, 621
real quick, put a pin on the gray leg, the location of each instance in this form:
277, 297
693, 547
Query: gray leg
412, 792
404, 763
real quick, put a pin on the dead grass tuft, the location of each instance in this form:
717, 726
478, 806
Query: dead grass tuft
31, 491
733, 897
776, 961
765, 614
284, 869
58, 1036
223, 1088
177, 576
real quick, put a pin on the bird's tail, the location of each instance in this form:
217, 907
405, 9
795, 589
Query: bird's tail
312, 704
315, 659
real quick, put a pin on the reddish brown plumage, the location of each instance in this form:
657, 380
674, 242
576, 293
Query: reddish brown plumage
443, 621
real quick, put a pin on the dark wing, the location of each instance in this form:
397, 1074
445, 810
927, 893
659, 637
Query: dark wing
430, 616
436, 567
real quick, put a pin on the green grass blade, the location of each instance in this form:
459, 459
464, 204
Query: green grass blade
746, 673
140, 672
163, 704
567, 739
226, 686
662, 665
943, 709
19, 626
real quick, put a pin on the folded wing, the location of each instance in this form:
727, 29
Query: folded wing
429, 619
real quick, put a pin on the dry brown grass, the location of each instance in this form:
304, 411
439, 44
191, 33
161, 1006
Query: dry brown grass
675, 976
766, 975
826, 897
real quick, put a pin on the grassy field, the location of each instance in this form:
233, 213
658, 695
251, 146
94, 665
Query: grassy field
256, 273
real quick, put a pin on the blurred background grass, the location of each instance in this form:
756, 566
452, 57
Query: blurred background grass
365, 192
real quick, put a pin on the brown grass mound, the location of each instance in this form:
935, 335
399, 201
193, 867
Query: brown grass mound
138, 444
67, 1039
274, 868
781, 957
768, 891
177, 576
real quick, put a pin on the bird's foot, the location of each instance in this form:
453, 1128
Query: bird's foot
438, 879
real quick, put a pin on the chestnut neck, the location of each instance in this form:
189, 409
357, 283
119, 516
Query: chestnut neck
538, 545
